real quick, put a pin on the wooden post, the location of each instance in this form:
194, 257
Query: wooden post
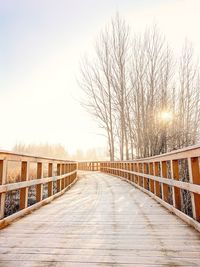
136, 170
140, 177
39, 187
129, 169
157, 184
50, 184
70, 177
151, 172
23, 203
63, 179
193, 164
145, 179
165, 196
3, 175
175, 190
58, 174
66, 173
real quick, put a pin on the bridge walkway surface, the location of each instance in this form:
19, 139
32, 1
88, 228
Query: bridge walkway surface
100, 221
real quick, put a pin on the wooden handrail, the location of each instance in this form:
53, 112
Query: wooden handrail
167, 178
56, 184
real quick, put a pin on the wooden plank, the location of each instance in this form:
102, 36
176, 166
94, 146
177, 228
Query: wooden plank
58, 174
10, 156
151, 171
39, 187
145, 172
194, 174
19, 185
164, 187
175, 190
101, 221
157, 184
50, 184
3, 175
63, 179
24, 191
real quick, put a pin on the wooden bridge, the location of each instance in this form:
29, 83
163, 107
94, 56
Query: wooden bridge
133, 213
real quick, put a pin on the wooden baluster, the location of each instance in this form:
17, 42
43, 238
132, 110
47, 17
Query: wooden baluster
175, 190
3, 175
194, 174
151, 172
66, 184
140, 178
125, 174
23, 203
142, 171
133, 168
145, 179
39, 187
50, 184
129, 168
75, 168
125, 168
135, 175
136, 170
69, 169
157, 184
63, 179
58, 174
165, 192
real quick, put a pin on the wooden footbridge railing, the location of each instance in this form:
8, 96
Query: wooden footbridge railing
40, 180
173, 179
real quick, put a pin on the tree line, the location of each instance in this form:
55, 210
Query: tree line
145, 98
58, 151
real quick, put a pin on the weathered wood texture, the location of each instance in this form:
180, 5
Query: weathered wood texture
101, 221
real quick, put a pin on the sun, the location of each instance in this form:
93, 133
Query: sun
166, 116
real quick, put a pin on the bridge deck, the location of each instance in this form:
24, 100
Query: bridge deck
101, 221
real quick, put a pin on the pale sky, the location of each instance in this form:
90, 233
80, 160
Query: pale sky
41, 44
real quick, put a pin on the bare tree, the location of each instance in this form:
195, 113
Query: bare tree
104, 80
131, 82
151, 75
188, 102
